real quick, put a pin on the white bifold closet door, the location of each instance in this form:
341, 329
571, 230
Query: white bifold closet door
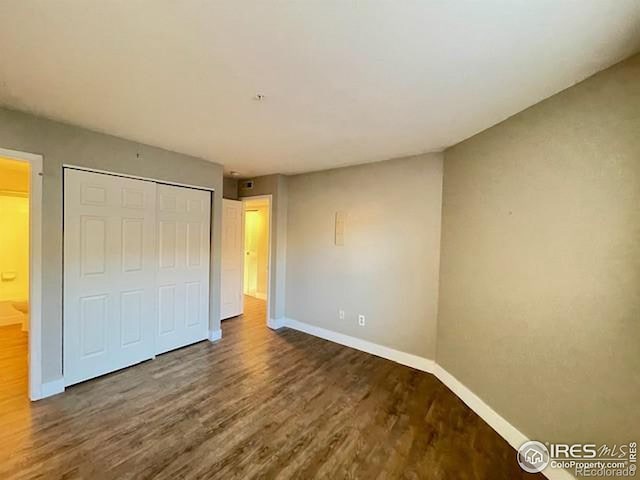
109, 273
136, 271
183, 266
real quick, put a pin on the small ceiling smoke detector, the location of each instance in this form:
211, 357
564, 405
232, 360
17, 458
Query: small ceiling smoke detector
258, 97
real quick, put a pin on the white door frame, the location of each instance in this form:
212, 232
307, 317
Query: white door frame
35, 268
269, 244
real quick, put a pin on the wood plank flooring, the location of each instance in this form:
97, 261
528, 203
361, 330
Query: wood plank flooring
256, 404
13, 365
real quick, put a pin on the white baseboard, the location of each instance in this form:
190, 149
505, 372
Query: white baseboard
484, 411
511, 434
11, 319
276, 323
215, 335
403, 358
49, 389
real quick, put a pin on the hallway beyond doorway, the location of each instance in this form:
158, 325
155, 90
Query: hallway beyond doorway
256, 247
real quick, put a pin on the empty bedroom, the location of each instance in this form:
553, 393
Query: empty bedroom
319, 239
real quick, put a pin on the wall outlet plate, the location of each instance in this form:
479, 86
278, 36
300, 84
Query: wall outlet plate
341, 314
361, 320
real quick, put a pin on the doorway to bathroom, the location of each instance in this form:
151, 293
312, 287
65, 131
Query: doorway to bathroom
21, 280
14, 278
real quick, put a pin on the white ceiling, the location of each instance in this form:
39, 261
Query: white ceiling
345, 82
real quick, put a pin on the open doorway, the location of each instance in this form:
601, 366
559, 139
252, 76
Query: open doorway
14, 278
246, 261
257, 248
23, 348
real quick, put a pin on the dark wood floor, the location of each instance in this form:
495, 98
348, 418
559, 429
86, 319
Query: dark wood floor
257, 404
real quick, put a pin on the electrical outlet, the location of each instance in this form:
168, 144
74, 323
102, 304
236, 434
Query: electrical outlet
361, 320
341, 314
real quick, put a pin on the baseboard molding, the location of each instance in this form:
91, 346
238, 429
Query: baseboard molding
511, 434
484, 411
276, 323
6, 320
215, 335
49, 389
403, 358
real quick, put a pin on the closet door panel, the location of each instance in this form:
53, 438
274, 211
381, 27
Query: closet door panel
109, 273
184, 217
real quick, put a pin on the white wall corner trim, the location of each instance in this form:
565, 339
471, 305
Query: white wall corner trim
48, 389
215, 335
276, 323
403, 358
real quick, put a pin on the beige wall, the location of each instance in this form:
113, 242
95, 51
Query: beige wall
230, 188
276, 186
63, 144
388, 266
540, 279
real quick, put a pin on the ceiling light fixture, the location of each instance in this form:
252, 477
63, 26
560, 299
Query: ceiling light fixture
235, 174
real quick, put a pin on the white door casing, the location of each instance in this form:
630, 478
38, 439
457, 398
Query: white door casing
109, 273
232, 259
183, 233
